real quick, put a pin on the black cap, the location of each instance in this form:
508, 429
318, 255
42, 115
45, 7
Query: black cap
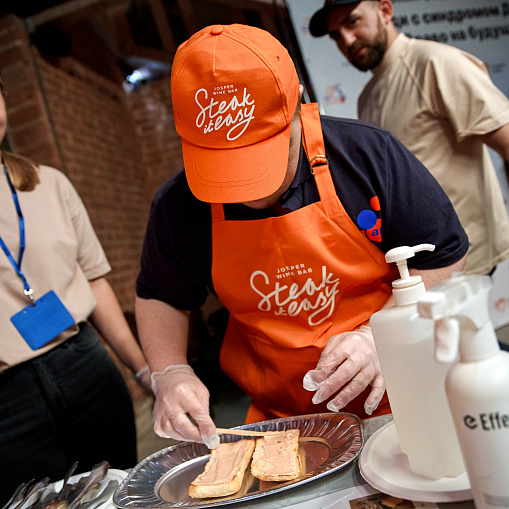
318, 23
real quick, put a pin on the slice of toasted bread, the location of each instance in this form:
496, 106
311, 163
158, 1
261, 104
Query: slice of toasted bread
224, 471
276, 457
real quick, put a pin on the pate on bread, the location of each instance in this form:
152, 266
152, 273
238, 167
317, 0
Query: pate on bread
276, 457
224, 472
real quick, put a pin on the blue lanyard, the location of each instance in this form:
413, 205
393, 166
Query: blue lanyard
17, 265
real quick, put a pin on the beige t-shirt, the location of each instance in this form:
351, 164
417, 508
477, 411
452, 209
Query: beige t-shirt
62, 254
433, 98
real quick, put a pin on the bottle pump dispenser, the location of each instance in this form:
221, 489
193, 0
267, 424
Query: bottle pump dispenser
415, 382
477, 385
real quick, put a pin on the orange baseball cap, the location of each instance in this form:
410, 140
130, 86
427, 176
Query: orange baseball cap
234, 91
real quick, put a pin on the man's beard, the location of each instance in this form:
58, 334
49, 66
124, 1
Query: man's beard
374, 54
370, 59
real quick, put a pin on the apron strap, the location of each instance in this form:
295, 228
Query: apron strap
217, 211
312, 139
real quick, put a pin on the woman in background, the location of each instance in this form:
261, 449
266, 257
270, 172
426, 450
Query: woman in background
62, 398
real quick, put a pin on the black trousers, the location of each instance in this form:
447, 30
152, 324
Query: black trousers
69, 404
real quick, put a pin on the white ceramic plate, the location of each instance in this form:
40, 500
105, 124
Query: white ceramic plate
384, 466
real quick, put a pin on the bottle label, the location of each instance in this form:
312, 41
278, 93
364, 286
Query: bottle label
492, 421
490, 496
484, 440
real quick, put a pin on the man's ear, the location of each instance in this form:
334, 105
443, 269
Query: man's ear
386, 9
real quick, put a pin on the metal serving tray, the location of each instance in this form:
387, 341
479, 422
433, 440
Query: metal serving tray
328, 442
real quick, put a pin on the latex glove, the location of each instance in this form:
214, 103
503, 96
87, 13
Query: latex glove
180, 394
348, 364
143, 378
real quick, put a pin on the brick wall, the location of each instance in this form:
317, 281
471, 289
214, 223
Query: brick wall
115, 147
30, 130
160, 146
100, 155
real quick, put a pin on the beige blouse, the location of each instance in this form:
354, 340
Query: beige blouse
62, 254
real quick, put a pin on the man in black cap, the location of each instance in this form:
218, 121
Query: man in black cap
441, 104
345, 15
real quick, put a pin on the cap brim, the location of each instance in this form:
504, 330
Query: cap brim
318, 22
237, 175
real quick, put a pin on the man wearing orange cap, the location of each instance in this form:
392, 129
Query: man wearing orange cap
280, 213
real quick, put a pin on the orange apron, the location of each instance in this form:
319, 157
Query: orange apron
290, 283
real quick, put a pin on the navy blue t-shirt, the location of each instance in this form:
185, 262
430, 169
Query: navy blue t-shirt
386, 191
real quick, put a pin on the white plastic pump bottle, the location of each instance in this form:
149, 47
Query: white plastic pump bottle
477, 385
415, 383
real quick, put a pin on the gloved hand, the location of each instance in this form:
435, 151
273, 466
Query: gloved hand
180, 394
348, 364
143, 379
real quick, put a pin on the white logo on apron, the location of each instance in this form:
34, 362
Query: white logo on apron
216, 114
288, 300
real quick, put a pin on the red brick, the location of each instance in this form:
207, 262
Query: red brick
43, 153
11, 34
19, 74
26, 114
30, 134
10, 55
27, 93
9, 22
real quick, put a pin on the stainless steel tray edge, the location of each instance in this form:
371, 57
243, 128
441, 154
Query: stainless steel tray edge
141, 488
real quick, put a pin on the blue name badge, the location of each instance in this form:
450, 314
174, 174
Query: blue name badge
42, 320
